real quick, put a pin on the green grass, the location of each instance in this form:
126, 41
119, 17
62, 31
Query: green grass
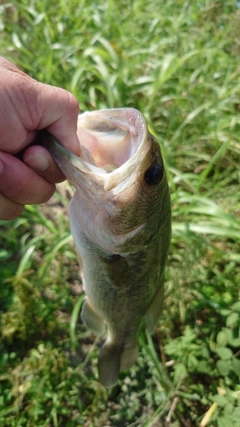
178, 63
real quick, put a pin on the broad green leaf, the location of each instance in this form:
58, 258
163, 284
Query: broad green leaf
236, 414
224, 422
232, 319
236, 306
223, 352
221, 339
4, 254
223, 367
229, 334
220, 400
234, 342
236, 366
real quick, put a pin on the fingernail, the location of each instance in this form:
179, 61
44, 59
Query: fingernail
1, 166
37, 161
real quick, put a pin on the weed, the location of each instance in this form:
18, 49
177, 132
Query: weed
176, 61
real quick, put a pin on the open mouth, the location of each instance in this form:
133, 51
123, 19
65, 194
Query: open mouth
109, 140
113, 146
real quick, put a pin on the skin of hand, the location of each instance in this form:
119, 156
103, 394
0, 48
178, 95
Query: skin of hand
27, 172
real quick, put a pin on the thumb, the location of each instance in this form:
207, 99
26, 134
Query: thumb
58, 114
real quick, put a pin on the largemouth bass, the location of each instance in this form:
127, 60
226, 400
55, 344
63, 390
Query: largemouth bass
120, 219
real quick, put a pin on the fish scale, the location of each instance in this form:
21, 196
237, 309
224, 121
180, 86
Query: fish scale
120, 220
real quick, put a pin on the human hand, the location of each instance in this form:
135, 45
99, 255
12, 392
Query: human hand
26, 107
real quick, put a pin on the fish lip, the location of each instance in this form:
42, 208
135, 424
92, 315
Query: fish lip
79, 172
133, 122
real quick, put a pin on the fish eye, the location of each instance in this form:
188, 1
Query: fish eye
154, 174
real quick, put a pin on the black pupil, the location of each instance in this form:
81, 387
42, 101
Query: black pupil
154, 175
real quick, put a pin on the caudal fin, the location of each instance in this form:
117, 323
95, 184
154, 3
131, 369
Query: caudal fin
109, 365
112, 360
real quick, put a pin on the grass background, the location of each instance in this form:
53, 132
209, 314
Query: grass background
178, 63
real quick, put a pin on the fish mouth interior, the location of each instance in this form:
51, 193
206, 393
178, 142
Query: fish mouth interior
108, 141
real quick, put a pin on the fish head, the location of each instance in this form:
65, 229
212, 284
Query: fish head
139, 205
122, 196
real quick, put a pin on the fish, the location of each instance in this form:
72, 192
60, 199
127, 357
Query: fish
120, 220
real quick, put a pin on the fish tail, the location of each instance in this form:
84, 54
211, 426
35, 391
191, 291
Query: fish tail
109, 362
112, 360
129, 356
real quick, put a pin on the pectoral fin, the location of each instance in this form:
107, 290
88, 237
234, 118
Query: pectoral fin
154, 311
91, 319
